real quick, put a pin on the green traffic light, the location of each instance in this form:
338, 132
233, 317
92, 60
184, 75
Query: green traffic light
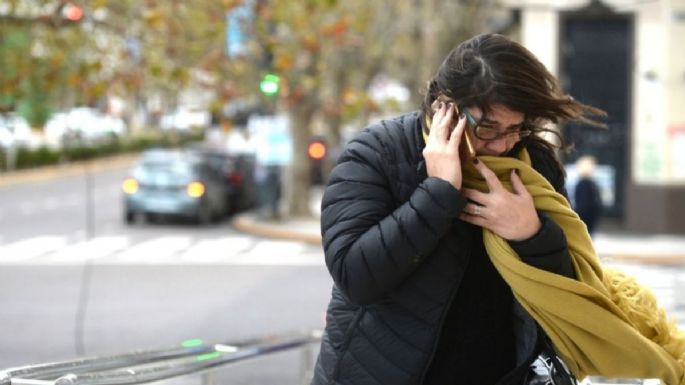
269, 84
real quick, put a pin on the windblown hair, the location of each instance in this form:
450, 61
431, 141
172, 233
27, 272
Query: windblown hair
491, 69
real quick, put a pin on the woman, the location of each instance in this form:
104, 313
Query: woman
417, 298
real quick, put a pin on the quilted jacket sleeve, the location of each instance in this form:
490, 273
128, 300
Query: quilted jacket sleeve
371, 245
546, 250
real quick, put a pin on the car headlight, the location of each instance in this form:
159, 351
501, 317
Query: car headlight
195, 189
130, 186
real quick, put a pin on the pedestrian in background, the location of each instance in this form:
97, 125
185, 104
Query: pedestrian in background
462, 263
587, 198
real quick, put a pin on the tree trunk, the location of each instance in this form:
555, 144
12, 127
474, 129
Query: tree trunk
427, 37
297, 182
333, 118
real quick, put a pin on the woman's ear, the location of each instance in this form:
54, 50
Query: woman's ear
434, 106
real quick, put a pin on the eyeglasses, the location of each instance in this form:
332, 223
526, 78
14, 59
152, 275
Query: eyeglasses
490, 133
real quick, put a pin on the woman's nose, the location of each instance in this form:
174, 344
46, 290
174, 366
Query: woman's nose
498, 145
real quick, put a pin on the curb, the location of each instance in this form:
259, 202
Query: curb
248, 224
40, 174
655, 259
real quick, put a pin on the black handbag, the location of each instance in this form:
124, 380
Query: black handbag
549, 369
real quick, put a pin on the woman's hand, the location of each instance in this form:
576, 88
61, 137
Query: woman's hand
512, 216
442, 148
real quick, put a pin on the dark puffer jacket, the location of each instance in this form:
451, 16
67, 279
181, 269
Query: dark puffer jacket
397, 254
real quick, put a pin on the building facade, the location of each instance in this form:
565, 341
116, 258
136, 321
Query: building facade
628, 58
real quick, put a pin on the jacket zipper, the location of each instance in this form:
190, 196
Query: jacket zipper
442, 321
437, 340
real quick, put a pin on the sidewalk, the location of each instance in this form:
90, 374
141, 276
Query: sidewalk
611, 245
294, 229
69, 169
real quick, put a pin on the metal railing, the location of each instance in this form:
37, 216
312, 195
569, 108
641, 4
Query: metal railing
194, 356
154, 365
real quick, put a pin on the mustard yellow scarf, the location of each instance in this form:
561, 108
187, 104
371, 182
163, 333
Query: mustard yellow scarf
604, 323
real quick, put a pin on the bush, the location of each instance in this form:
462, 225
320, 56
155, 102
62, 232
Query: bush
37, 157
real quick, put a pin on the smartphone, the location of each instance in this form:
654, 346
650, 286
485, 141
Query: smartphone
466, 146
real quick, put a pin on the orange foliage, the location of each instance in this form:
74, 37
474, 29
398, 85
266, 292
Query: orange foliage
284, 62
310, 42
74, 79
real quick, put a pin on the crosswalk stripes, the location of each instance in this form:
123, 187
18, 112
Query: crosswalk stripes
28, 249
266, 253
155, 250
216, 250
92, 249
245, 250
164, 250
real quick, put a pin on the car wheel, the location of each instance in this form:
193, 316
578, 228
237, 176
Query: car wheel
234, 205
129, 217
204, 215
151, 218
229, 209
220, 213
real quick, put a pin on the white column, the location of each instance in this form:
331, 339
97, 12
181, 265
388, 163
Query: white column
649, 95
675, 91
540, 34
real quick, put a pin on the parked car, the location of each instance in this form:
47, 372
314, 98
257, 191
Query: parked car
15, 131
82, 125
185, 120
6, 137
175, 183
93, 124
55, 129
237, 172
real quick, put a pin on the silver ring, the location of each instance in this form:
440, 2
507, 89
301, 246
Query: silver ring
476, 211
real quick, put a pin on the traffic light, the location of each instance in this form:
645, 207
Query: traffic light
316, 151
270, 84
72, 12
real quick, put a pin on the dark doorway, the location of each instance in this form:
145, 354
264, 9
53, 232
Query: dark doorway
596, 50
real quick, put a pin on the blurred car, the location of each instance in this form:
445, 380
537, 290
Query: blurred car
82, 125
55, 129
6, 137
237, 172
93, 124
174, 183
185, 120
15, 131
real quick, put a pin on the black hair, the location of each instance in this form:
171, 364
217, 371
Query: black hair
492, 69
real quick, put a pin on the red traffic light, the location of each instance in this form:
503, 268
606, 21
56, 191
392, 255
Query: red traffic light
72, 12
316, 150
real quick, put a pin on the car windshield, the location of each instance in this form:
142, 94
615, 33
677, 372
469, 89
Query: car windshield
173, 169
